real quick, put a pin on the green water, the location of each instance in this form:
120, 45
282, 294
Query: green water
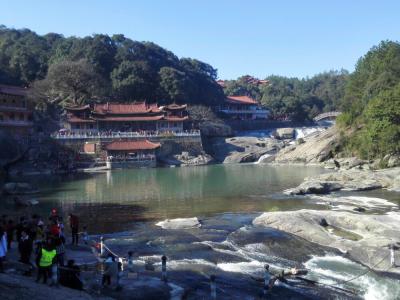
115, 200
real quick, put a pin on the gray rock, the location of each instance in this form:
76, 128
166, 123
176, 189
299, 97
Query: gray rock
180, 223
315, 187
374, 232
285, 133
349, 180
316, 148
212, 129
393, 161
243, 149
350, 162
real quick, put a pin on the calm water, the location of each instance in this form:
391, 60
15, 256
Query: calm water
115, 200
126, 204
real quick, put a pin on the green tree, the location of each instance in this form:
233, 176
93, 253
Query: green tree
69, 83
173, 84
132, 81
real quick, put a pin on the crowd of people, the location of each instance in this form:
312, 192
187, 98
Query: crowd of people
44, 240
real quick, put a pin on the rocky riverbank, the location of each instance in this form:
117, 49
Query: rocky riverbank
364, 238
349, 180
242, 149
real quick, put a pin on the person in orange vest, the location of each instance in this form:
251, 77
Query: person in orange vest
45, 259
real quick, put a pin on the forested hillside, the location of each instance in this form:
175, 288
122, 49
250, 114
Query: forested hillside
372, 103
298, 99
73, 70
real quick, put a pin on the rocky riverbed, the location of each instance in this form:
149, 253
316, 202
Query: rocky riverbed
362, 237
349, 180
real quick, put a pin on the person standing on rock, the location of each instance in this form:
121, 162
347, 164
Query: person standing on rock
25, 247
10, 233
74, 224
60, 249
45, 259
110, 270
3, 247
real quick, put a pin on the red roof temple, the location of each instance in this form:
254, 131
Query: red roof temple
126, 117
242, 108
132, 145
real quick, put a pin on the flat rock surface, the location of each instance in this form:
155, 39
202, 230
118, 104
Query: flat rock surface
375, 232
20, 287
349, 180
181, 223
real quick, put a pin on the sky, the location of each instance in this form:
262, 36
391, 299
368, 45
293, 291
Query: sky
238, 37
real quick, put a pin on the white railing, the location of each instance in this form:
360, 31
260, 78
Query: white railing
245, 111
113, 135
148, 157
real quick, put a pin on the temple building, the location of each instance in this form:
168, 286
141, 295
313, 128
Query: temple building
242, 108
132, 117
15, 110
125, 154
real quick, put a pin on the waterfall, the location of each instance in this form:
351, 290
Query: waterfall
262, 157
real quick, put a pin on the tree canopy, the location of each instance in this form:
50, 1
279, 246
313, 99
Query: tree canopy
372, 103
129, 70
294, 98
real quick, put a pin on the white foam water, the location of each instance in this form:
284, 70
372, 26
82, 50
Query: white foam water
306, 131
369, 202
251, 267
262, 158
335, 270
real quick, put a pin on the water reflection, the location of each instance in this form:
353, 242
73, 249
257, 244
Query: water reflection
176, 192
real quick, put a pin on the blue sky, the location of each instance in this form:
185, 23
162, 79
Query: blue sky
256, 37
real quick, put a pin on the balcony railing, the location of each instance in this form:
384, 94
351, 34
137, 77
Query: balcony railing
245, 111
111, 135
15, 123
13, 108
146, 157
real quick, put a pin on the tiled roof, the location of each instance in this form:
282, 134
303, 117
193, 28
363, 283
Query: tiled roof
131, 108
176, 119
122, 119
175, 106
13, 90
221, 82
241, 99
132, 145
74, 119
77, 108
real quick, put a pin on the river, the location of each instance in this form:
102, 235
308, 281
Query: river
125, 206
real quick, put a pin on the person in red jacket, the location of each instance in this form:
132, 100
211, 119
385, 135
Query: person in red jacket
74, 224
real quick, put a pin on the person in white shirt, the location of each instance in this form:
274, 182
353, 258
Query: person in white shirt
3, 247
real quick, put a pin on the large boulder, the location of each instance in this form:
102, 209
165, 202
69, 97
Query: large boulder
351, 162
393, 161
180, 223
316, 148
315, 187
242, 149
349, 180
364, 237
212, 129
285, 133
